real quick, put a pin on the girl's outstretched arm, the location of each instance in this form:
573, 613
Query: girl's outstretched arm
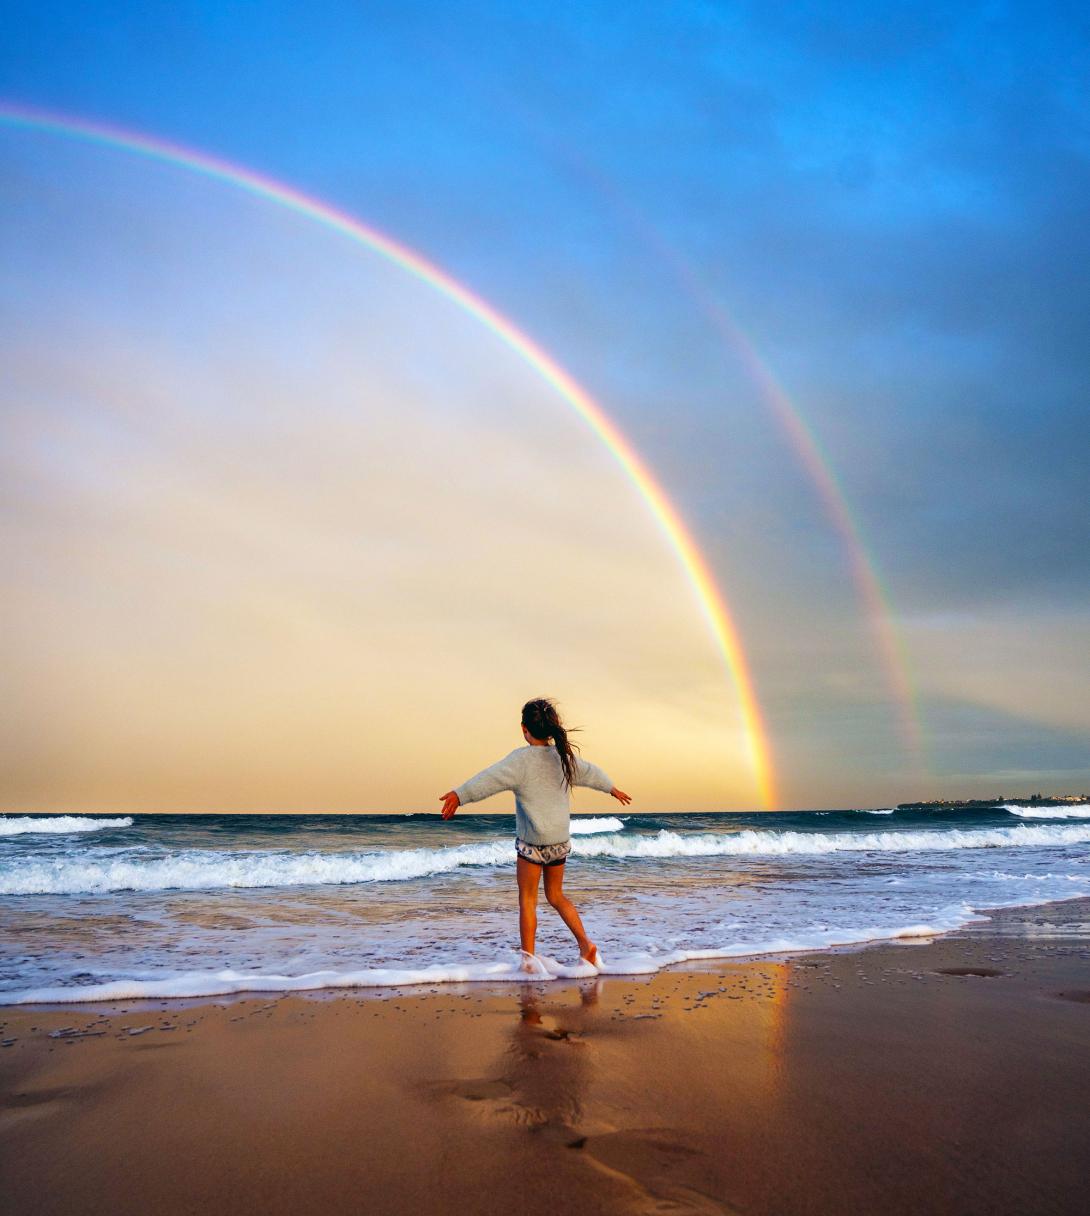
591, 776
594, 778
503, 775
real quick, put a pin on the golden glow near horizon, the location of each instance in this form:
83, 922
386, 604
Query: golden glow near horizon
286, 532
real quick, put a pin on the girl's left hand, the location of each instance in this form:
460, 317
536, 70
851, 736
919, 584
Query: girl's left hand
451, 803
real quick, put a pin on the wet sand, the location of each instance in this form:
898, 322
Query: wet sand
949, 1077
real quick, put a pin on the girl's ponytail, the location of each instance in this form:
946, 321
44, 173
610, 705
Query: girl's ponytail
542, 720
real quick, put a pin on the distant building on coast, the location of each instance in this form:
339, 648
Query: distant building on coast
962, 804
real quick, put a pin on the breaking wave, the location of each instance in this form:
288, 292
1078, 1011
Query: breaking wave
582, 825
207, 869
1050, 812
59, 823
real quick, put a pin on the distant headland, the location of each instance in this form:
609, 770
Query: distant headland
957, 804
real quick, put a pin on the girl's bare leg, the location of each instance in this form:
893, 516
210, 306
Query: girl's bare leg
528, 875
554, 893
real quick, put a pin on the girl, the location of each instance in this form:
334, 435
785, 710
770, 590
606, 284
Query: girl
541, 776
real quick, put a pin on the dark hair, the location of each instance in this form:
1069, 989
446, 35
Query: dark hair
542, 719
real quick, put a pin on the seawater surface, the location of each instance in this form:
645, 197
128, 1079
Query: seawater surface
111, 907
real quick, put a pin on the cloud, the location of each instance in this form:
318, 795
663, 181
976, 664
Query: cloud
986, 749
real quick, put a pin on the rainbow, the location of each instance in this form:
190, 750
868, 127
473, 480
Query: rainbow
711, 601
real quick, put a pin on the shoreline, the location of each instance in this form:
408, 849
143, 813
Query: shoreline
903, 1077
502, 976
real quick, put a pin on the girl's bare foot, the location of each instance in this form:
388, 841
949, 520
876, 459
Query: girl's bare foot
589, 953
529, 964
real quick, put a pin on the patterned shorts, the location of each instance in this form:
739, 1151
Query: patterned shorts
543, 854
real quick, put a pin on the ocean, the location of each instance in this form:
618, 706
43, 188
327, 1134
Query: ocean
108, 908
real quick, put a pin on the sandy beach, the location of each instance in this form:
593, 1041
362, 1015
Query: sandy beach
948, 1076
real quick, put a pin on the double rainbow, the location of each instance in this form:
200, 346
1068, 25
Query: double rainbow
710, 599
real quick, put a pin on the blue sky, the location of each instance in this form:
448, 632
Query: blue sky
891, 203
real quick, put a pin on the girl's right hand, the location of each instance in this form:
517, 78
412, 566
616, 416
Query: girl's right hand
451, 803
620, 795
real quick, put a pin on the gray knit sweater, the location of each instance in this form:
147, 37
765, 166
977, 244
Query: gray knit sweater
535, 774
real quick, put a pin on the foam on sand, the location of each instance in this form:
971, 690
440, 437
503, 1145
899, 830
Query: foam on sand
221, 983
20, 825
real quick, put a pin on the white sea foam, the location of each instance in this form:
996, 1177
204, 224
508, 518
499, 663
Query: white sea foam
221, 983
582, 825
1050, 812
887, 811
20, 825
207, 869
1001, 876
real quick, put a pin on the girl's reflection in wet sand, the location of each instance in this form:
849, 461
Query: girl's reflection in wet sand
547, 1064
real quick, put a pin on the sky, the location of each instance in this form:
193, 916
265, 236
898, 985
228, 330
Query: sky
284, 528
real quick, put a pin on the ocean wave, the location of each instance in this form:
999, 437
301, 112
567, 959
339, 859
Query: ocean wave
588, 825
1050, 812
207, 869
856, 811
756, 843
58, 823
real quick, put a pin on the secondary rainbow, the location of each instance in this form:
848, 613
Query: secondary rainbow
864, 567
711, 600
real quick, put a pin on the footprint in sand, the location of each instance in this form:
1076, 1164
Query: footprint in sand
669, 1173
34, 1104
481, 1089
